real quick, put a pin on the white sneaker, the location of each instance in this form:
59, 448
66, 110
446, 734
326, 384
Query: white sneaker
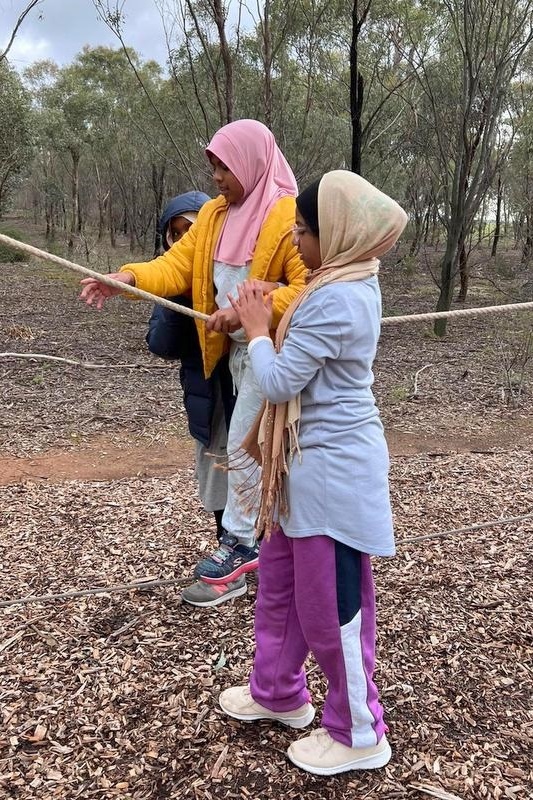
320, 754
237, 702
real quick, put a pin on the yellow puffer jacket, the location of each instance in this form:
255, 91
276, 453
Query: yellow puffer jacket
188, 267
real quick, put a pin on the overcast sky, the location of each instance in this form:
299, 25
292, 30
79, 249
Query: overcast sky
58, 29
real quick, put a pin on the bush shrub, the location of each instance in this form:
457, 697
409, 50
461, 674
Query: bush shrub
7, 253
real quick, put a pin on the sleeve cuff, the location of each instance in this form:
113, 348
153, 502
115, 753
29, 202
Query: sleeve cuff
257, 339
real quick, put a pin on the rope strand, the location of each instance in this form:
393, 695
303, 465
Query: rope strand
162, 301
131, 290
460, 312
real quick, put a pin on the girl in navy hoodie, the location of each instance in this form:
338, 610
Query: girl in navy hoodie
208, 402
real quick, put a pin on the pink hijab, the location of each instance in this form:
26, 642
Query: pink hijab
249, 150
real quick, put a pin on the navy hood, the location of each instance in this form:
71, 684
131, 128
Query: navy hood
189, 201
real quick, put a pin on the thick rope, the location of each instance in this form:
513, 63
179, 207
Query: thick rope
131, 290
153, 584
460, 312
162, 301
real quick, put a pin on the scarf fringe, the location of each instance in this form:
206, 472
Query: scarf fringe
237, 460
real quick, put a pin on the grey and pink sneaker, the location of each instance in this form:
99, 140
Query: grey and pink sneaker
206, 595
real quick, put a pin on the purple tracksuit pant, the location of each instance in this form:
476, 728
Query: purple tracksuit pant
316, 594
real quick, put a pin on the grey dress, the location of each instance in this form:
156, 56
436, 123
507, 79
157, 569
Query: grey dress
339, 487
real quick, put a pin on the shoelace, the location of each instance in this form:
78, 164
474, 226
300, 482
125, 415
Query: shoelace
325, 739
222, 553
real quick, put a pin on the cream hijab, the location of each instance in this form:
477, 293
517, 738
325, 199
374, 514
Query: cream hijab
357, 223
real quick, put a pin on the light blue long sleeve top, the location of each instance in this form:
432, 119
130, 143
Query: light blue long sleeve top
339, 487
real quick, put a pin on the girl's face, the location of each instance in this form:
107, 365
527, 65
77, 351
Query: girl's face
225, 181
307, 243
177, 228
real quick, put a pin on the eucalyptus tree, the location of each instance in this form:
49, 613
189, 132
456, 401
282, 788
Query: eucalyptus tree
520, 174
126, 161
473, 53
66, 110
101, 142
285, 62
15, 131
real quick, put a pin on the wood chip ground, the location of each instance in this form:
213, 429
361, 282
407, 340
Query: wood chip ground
115, 696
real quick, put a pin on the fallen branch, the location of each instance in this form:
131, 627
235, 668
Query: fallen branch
84, 364
123, 587
415, 381
494, 523
131, 290
434, 791
149, 583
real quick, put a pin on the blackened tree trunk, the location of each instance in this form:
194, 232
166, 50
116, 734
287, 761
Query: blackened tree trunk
497, 227
357, 85
158, 188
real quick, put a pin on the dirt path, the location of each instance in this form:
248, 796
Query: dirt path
107, 460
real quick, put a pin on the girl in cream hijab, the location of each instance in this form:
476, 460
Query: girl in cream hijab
325, 507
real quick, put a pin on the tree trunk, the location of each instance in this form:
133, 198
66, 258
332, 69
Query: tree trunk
463, 273
435, 230
158, 185
79, 226
268, 95
481, 223
356, 91
219, 13
101, 202
74, 196
101, 217
427, 222
505, 220
527, 249
448, 273
111, 220
497, 226
420, 227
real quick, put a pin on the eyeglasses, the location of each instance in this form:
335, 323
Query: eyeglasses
299, 230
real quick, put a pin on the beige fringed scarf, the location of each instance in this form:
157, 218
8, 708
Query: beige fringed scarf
357, 223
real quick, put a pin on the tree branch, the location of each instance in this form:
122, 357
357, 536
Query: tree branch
20, 20
75, 363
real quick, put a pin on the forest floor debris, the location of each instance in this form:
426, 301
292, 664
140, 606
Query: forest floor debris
115, 696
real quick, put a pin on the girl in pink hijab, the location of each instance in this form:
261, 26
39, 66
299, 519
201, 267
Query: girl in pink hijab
249, 151
244, 233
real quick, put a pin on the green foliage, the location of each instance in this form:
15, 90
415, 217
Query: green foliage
10, 254
15, 132
399, 394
